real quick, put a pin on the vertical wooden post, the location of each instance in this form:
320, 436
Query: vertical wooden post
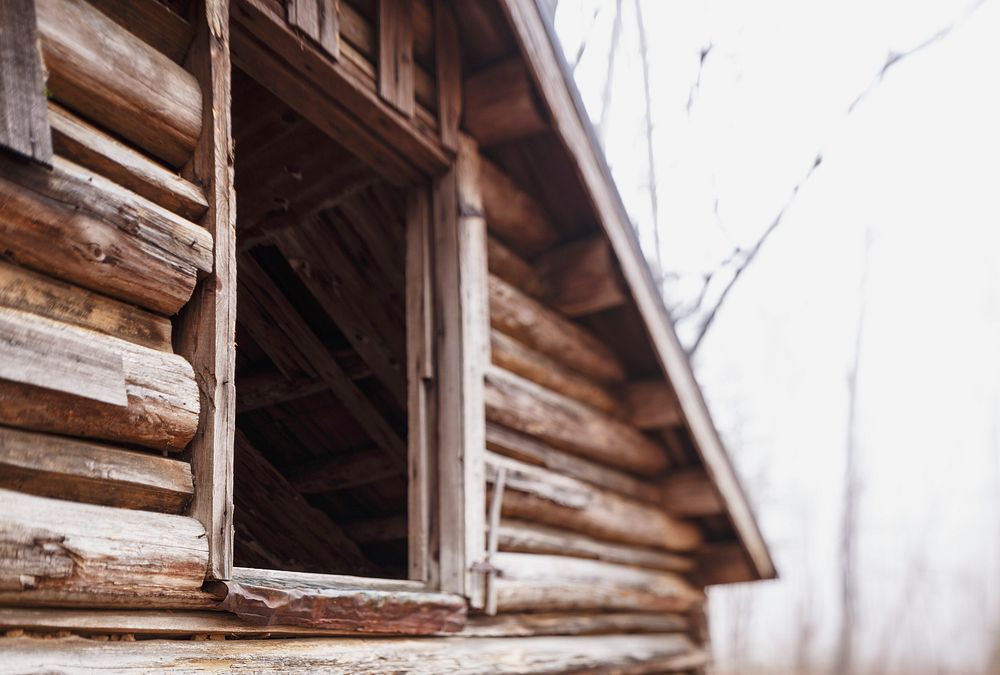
320, 20
24, 115
448, 61
395, 53
205, 330
420, 380
463, 354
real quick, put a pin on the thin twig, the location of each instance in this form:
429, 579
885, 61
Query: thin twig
616, 30
696, 87
650, 155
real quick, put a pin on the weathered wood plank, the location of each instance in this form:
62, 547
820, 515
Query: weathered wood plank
28, 291
162, 397
395, 53
725, 563
319, 20
206, 331
513, 215
566, 623
542, 496
463, 352
652, 405
63, 468
78, 226
520, 404
501, 105
103, 71
531, 582
152, 22
342, 472
582, 277
57, 552
525, 537
79, 142
508, 442
513, 269
448, 61
527, 320
690, 492
24, 124
621, 654
513, 356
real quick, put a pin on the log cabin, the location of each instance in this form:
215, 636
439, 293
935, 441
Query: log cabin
328, 347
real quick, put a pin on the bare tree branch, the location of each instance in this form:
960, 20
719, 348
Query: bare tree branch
650, 155
696, 87
616, 30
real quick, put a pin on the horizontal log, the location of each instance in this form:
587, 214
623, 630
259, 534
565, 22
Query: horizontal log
524, 537
98, 68
500, 104
539, 495
513, 215
75, 225
530, 582
79, 142
565, 623
315, 602
511, 355
690, 492
544, 330
651, 404
64, 553
582, 277
342, 472
153, 22
513, 269
621, 654
520, 404
527, 449
160, 392
28, 291
64, 468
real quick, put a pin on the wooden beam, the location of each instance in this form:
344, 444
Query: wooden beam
70, 223
501, 105
24, 124
624, 654
652, 404
690, 492
530, 582
159, 408
206, 330
724, 564
153, 23
532, 323
448, 64
463, 352
57, 552
542, 496
566, 623
395, 53
291, 344
520, 404
377, 530
318, 20
63, 468
525, 537
519, 446
109, 75
513, 356
262, 390
314, 602
513, 215
582, 277
79, 142
536, 39
342, 472
513, 269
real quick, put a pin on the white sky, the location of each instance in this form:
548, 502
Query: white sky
916, 165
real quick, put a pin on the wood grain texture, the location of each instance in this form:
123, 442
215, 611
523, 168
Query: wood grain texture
395, 53
542, 496
651, 404
513, 215
570, 623
28, 291
101, 70
500, 104
620, 654
63, 468
162, 397
518, 403
448, 63
78, 226
546, 331
84, 144
63, 553
24, 125
690, 492
152, 22
513, 269
319, 20
582, 277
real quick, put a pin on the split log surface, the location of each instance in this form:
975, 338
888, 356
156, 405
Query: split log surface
527, 320
162, 397
575, 623
153, 22
63, 468
514, 215
527, 407
108, 74
542, 496
78, 226
63, 553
